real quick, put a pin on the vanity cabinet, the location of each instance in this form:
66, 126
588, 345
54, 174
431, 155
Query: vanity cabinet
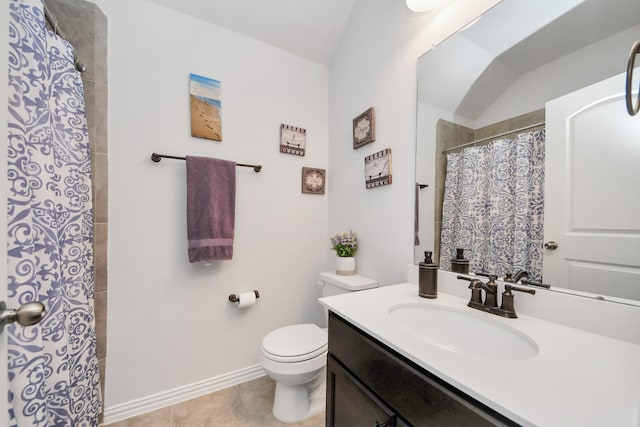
369, 384
353, 404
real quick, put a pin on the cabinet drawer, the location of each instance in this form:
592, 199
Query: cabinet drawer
350, 404
417, 396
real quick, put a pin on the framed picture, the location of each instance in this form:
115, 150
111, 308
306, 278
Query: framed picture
364, 128
292, 139
206, 108
313, 180
377, 169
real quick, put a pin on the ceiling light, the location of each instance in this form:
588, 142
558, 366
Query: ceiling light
423, 5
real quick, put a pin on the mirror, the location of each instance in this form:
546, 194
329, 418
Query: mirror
496, 79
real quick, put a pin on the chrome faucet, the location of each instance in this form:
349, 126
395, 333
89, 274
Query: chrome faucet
490, 304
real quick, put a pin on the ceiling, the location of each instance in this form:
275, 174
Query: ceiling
308, 28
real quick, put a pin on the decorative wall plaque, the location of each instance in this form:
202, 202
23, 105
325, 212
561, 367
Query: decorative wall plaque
292, 139
377, 169
313, 180
364, 128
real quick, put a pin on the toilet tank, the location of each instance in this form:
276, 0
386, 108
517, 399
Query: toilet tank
333, 284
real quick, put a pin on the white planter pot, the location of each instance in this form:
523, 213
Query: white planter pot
345, 266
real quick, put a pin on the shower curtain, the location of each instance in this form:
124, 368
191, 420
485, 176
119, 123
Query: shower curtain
494, 206
53, 366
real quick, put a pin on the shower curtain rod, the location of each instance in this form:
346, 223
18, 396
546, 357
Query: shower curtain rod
53, 23
492, 137
157, 157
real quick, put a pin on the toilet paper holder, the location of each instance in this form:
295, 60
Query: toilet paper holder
236, 298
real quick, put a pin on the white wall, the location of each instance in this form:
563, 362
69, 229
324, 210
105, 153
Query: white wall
169, 322
375, 66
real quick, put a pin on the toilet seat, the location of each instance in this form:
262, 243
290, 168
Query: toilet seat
295, 343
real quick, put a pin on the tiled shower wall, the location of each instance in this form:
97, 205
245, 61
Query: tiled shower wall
86, 28
450, 135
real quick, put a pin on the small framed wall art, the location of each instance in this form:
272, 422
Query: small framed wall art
206, 108
364, 128
377, 169
292, 140
313, 180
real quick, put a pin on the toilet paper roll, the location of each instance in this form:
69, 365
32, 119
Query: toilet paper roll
246, 299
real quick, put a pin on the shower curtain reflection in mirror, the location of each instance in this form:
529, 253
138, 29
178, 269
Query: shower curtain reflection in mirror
53, 366
494, 205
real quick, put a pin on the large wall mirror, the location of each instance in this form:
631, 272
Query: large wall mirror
531, 160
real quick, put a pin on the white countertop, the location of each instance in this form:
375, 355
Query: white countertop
577, 378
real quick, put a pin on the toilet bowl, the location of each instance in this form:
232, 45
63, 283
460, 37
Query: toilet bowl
295, 357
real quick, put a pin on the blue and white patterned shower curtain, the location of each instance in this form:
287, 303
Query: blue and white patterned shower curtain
494, 206
53, 366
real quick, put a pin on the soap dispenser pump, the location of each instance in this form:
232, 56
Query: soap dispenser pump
428, 277
459, 264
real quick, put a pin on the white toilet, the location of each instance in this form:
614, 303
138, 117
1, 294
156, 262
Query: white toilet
295, 357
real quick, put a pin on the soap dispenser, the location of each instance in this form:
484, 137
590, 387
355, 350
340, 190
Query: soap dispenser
428, 277
459, 264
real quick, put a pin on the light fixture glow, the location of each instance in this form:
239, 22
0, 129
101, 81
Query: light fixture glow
423, 5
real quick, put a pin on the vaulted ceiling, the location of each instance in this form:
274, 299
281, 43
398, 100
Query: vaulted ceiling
308, 28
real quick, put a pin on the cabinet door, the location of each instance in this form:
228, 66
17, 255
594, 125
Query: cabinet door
350, 404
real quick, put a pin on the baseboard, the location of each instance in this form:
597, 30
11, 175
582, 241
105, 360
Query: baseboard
171, 397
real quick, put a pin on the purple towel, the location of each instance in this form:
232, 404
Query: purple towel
211, 207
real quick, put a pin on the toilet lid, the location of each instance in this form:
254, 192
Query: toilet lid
296, 340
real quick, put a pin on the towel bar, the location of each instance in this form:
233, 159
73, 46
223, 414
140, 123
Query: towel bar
157, 157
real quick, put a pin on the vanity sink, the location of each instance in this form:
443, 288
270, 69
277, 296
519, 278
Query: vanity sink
463, 331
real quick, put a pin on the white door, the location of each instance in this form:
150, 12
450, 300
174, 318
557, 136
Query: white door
592, 192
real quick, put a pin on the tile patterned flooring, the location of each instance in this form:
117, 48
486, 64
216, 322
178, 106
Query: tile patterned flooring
244, 405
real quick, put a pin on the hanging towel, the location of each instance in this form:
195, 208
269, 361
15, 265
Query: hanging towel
211, 206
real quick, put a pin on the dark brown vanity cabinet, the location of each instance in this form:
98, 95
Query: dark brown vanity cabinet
353, 404
369, 384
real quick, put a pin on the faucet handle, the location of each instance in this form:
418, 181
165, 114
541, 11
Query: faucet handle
516, 288
474, 283
507, 309
530, 282
476, 291
492, 277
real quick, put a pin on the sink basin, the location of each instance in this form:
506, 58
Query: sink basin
463, 331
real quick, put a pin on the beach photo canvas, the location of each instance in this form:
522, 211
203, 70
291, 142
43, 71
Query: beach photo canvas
206, 108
